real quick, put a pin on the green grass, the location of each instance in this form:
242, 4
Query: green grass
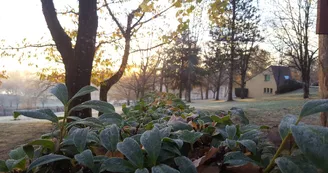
265, 111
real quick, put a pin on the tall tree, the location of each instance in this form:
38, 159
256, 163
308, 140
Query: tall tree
216, 61
294, 23
232, 46
77, 47
134, 21
240, 31
247, 40
182, 64
78, 59
260, 60
251, 61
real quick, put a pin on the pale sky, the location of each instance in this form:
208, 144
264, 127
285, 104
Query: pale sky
24, 19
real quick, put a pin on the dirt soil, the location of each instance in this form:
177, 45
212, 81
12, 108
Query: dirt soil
13, 135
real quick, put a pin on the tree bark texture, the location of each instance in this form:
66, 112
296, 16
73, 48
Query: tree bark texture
306, 84
181, 77
323, 74
218, 93
232, 51
242, 86
77, 60
201, 92
206, 92
106, 85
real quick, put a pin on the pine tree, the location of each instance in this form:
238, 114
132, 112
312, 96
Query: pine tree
241, 33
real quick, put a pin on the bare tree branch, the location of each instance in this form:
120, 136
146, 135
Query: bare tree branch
115, 19
62, 40
28, 46
106, 42
137, 22
155, 16
147, 49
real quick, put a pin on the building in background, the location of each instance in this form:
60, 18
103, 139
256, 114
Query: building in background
267, 82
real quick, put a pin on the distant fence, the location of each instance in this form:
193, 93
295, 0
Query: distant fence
9, 111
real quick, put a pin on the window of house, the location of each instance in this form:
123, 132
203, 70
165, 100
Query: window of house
268, 90
286, 77
266, 77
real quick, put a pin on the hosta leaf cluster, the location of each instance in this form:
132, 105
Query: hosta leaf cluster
160, 134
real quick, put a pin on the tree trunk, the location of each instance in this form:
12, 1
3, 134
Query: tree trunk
201, 92
75, 80
214, 94
181, 81
206, 93
180, 90
77, 61
218, 93
161, 82
242, 86
189, 95
323, 74
142, 92
154, 83
232, 51
106, 85
167, 88
306, 85
188, 88
137, 94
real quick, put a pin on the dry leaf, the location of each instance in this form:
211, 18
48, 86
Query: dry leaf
115, 154
98, 150
176, 118
248, 168
206, 157
208, 169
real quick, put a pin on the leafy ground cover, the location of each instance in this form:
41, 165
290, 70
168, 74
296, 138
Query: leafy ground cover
161, 134
265, 111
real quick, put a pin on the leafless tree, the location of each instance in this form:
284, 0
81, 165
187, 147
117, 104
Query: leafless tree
143, 77
293, 24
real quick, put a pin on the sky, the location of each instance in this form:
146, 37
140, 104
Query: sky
24, 19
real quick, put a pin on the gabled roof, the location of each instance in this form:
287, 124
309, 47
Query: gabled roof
279, 73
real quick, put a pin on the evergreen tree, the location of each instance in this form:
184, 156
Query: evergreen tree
241, 33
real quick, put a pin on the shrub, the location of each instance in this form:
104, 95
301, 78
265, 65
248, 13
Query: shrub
315, 84
288, 86
238, 92
162, 135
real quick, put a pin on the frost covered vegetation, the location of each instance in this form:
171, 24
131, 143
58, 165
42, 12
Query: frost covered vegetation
161, 134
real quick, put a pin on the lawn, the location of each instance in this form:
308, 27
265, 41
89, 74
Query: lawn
265, 111
15, 134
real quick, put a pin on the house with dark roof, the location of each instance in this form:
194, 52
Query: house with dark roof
267, 82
